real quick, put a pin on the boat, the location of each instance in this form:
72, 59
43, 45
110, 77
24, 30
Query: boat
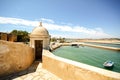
75, 45
108, 64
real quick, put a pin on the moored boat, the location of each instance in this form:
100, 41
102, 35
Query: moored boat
108, 64
75, 45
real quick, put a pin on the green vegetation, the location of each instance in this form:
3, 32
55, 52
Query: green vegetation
61, 40
53, 39
22, 36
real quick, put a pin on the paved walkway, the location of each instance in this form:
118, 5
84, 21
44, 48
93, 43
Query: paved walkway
35, 72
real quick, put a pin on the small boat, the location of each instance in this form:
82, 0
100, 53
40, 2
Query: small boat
108, 64
75, 45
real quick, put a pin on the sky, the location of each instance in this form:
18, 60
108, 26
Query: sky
63, 18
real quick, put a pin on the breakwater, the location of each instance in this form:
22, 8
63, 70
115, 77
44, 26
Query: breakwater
83, 44
102, 47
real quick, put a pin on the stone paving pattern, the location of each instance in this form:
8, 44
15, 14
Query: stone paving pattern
35, 72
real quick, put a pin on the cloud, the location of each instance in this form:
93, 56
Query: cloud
87, 32
47, 20
91, 33
16, 21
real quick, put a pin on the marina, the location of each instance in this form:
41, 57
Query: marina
90, 55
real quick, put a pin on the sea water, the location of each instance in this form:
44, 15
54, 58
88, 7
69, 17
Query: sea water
89, 55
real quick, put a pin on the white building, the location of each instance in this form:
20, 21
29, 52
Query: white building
41, 34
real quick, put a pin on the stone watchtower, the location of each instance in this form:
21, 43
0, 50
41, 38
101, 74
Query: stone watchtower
39, 39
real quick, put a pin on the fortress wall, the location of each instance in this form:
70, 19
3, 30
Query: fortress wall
53, 47
14, 57
71, 70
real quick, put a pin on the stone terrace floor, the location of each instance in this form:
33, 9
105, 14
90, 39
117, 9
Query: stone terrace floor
35, 72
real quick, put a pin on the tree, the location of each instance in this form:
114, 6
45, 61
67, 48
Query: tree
22, 36
53, 39
62, 40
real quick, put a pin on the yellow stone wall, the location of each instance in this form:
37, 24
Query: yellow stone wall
71, 70
14, 57
3, 36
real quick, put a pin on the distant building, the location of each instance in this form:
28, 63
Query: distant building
8, 37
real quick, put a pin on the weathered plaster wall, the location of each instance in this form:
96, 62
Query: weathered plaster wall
71, 70
14, 57
44, 39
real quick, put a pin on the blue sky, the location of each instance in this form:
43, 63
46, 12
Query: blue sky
63, 18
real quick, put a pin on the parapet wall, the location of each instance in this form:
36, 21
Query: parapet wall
71, 70
14, 57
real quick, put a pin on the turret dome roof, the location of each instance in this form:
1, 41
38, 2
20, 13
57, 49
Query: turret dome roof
40, 30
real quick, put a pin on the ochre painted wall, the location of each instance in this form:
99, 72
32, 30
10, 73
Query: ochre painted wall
14, 57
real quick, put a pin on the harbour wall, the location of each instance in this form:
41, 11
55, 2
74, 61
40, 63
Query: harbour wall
55, 46
85, 44
102, 47
71, 70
